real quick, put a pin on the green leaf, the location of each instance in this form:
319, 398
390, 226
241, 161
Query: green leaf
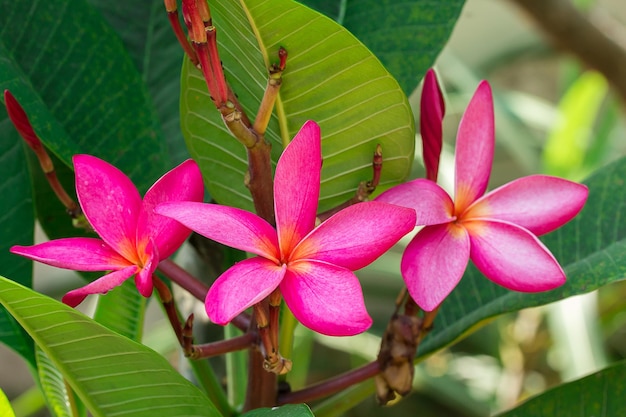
110, 373
600, 394
290, 410
72, 72
5, 406
123, 310
330, 78
406, 36
53, 386
17, 225
144, 28
591, 249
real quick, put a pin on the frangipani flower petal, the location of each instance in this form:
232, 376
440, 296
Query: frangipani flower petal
297, 186
243, 285
513, 257
431, 203
432, 110
100, 286
143, 279
357, 235
76, 253
227, 225
183, 183
433, 263
325, 298
539, 203
474, 148
110, 202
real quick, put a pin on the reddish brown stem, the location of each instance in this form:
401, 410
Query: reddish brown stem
170, 309
208, 350
330, 386
172, 15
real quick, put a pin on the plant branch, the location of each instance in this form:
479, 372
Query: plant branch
330, 386
576, 34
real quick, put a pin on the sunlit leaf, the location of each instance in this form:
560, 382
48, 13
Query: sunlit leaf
110, 373
330, 78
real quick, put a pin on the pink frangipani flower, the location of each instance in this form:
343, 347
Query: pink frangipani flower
497, 230
311, 265
133, 238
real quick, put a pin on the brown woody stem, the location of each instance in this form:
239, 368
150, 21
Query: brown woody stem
330, 386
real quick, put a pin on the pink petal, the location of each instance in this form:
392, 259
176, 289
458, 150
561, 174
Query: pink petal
183, 183
227, 225
143, 279
433, 263
110, 201
297, 186
76, 253
474, 148
100, 286
538, 203
432, 110
357, 235
513, 257
431, 203
325, 298
243, 285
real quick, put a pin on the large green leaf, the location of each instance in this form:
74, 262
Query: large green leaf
69, 60
144, 28
406, 36
591, 248
330, 78
600, 394
110, 373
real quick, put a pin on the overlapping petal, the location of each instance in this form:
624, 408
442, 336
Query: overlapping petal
227, 225
183, 183
357, 235
100, 286
539, 203
110, 202
325, 298
433, 263
474, 148
297, 186
77, 253
431, 203
243, 285
513, 257
150, 261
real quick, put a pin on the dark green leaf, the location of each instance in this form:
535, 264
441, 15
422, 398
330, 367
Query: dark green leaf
111, 374
291, 410
144, 28
330, 78
407, 36
600, 394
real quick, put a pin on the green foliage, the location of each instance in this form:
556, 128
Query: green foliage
600, 394
330, 78
406, 36
300, 410
591, 249
5, 407
111, 374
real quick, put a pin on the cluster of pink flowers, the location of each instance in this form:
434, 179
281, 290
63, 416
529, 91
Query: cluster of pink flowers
313, 266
